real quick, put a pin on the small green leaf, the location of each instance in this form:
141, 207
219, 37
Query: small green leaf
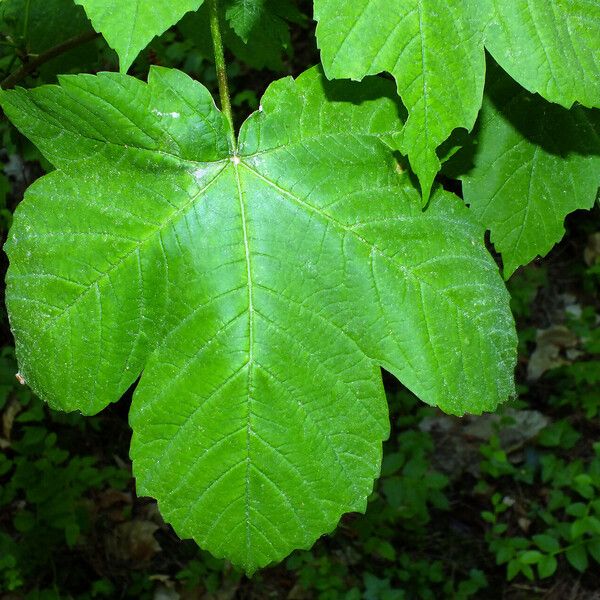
5, 465
547, 566
585, 490
527, 571
33, 414
530, 557
256, 292
488, 516
546, 542
593, 525
593, 547
579, 528
577, 557
72, 533
586, 525
383, 548
243, 15
583, 479
534, 163
513, 569
504, 553
559, 434
129, 25
499, 528
577, 509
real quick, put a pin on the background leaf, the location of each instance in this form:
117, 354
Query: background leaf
265, 45
434, 50
534, 163
577, 557
45, 24
549, 46
547, 566
129, 25
243, 15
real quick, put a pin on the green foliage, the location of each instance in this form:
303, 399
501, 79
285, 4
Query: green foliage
43, 487
434, 50
256, 283
544, 516
567, 521
325, 579
557, 46
41, 25
207, 572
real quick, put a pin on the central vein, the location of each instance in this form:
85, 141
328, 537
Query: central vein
250, 343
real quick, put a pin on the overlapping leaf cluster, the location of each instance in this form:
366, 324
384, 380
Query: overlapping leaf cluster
258, 286
435, 51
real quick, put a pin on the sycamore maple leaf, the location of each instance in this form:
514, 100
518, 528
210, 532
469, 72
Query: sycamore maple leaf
257, 291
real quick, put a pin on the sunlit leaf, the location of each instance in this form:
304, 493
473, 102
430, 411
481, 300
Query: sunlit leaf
256, 292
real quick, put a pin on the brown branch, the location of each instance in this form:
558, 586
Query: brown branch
44, 57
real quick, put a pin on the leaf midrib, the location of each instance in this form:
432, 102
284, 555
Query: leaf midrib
250, 361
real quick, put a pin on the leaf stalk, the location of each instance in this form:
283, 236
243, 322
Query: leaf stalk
215, 30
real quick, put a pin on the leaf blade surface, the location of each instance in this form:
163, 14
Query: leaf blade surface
259, 294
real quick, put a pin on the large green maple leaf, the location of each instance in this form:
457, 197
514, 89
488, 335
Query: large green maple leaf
257, 291
129, 25
533, 163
